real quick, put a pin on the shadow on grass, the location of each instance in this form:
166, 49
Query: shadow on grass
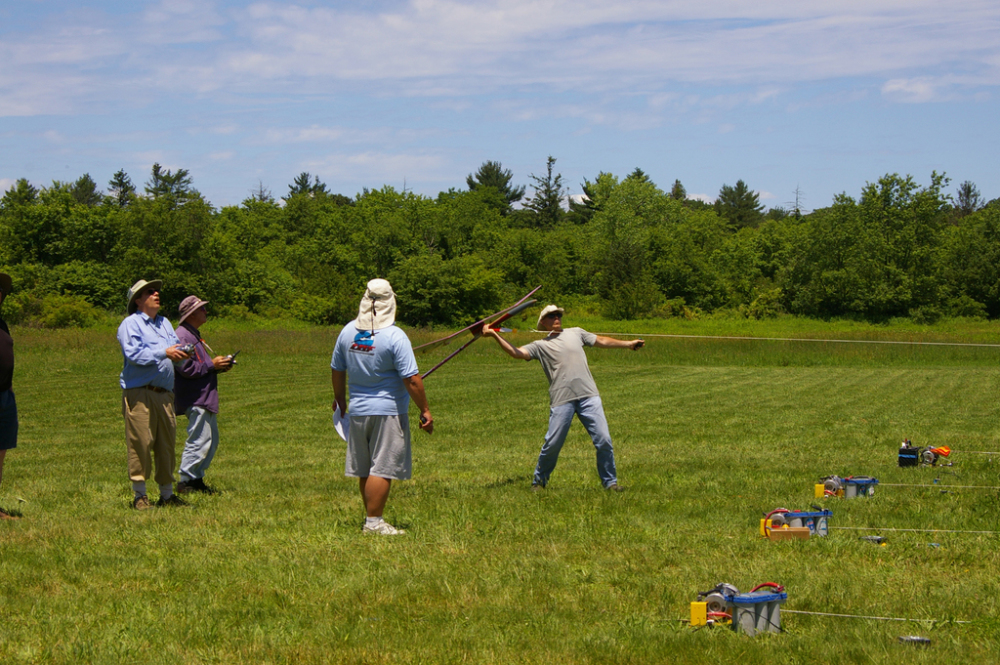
507, 482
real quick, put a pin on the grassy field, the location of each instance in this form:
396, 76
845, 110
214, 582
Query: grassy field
709, 434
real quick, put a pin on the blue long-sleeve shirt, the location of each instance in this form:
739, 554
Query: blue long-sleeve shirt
144, 344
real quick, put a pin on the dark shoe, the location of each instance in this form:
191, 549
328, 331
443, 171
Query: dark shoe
174, 501
141, 503
615, 488
198, 485
535, 487
185, 487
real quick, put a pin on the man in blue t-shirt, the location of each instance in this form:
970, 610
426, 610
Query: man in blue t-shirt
375, 360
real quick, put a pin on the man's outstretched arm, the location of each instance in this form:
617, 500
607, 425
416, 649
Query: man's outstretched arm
513, 352
609, 343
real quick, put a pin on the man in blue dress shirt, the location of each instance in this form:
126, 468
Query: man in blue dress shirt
150, 348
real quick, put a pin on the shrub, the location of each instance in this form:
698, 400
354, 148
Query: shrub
767, 305
926, 315
321, 310
50, 311
967, 307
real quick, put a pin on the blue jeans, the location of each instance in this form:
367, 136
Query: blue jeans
590, 411
202, 442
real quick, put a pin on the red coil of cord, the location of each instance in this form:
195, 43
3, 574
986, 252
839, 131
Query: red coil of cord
774, 585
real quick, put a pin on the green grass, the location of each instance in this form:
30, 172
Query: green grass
708, 435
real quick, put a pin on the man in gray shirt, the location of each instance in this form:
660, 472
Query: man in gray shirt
571, 391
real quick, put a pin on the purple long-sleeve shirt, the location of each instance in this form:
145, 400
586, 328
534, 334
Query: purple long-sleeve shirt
196, 382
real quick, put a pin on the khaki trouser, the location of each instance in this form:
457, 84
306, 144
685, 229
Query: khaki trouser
150, 424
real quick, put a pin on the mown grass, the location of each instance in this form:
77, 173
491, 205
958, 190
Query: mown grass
709, 434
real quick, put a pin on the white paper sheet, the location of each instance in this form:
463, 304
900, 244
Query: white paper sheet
341, 423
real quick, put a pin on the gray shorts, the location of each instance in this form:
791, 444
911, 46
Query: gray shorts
379, 446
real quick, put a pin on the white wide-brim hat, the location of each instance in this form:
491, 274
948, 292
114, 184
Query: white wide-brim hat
136, 291
548, 309
378, 306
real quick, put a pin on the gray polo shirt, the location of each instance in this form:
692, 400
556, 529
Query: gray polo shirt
565, 364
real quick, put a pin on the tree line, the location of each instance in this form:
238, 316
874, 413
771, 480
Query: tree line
900, 249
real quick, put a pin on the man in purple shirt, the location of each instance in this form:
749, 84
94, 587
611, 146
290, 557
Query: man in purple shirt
196, 395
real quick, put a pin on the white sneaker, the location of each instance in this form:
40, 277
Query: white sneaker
383, 528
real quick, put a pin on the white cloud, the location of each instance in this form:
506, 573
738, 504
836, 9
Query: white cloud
6, 184
182, 22
342, 135
451, 49
765, 195
375, 165
311, 134
726, 128
702, 197
909, 90
575, 44
225, 130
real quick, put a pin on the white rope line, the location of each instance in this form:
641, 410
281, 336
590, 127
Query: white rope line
859, 616
878, 528
941, 486
798, 339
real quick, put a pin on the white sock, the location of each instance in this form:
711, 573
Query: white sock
139, 487
373, 521
166, 491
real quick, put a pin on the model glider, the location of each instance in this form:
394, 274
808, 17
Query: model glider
477, 329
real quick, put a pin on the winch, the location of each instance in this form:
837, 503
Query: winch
849, 487
755, 612
816, 520
911, 455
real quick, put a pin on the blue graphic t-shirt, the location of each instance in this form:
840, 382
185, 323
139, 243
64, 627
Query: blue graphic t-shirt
376, 364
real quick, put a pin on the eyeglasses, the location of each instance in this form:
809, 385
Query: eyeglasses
149, 292
553, 315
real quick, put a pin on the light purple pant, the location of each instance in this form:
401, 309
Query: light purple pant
202, 442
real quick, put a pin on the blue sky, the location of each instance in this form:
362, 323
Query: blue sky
820, 96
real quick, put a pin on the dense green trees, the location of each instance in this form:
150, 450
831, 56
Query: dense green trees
900, 249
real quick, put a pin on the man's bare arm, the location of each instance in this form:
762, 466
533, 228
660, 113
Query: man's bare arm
513, 352
415, 386
609, 343
339, 390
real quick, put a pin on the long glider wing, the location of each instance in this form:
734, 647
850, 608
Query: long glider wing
478, 332
477, 327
